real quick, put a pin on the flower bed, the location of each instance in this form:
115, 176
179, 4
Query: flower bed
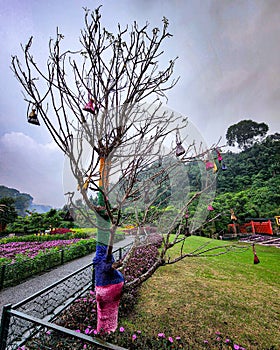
14, 251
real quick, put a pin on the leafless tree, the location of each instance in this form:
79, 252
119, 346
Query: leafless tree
104, 108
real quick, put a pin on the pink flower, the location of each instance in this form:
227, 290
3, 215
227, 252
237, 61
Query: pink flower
178, 338
78, 331
161, 335
85, 346
134, 336
236, 347
170, 339
87, 331
121, 329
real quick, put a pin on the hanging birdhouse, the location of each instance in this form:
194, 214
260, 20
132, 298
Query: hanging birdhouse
32, 118
179, 148
210, 208
91, 107
224, 167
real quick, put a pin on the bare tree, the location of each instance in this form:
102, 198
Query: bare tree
103, 106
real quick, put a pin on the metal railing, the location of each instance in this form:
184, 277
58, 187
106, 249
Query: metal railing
33, 316
11, 274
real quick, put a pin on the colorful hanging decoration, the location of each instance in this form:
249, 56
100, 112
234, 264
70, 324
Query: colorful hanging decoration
86, 184
215, 168
256, 259
91, 107
220, 158
33, 118
224, 167
209, 165
232, 215
210, 208
179, 148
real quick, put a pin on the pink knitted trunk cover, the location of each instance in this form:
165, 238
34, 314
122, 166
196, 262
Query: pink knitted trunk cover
108, 299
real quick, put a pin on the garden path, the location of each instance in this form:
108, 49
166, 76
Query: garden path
15, 294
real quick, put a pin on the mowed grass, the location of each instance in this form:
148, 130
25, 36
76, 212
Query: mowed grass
200, 296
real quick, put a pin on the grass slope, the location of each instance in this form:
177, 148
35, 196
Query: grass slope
201, 297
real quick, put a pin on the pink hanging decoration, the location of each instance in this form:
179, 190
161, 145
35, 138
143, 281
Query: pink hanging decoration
209, 165
210, 208
220, 158
91, 107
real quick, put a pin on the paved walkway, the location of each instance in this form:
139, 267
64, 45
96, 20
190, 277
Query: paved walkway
15, 294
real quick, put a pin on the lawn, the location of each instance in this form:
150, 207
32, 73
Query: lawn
206, 300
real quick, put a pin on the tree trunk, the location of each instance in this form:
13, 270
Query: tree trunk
108, 281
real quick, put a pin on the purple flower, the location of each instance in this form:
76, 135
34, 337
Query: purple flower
178, 338
170, 339
78, 331
87, 331
121, 329
236, 347
205, 341
134, 336
227, 341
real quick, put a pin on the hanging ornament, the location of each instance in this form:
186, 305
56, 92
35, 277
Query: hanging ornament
32, 118
220, 158
256, 259
224, 167
215, 168
210, 208
209, 165
232, 215
86, 184
91, 107
179, 148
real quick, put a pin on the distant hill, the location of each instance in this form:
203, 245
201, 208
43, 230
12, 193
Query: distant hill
23, 201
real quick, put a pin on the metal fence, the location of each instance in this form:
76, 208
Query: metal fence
11, 274
33, 316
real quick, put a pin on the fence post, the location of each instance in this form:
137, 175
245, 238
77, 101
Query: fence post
62, 257
2, 276
4, 328
120, 253
93, 278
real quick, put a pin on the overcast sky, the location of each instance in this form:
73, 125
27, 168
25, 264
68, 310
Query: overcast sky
229, 68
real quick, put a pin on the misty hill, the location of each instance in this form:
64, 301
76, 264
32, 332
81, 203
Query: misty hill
23, 201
